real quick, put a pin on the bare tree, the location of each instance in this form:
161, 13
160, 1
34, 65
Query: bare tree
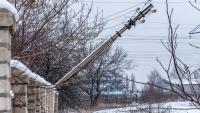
127, 82
194, 4
48, 36
186, 85
133, 85
110, 63
154, 76
150, 92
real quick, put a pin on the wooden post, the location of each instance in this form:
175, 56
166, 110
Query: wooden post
7, 26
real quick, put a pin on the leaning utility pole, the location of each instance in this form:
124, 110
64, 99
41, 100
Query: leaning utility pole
104, 45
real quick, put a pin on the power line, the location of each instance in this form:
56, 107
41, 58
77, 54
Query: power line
148, 28
159, 51
111, 27
195, 30
125, 13
159, 36
192, 25
143, 56
172, 23
116, 13
165, 53
119, 12
155, 40
183, 28
114, 18
134, 2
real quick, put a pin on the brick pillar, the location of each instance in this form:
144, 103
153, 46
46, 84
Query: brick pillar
7, 26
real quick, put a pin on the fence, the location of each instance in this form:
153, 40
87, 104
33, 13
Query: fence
107, 101
32, 94
21, 90
117, 99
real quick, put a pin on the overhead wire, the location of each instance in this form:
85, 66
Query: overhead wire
195, 30
124, 10
153, 28
119, 12
128, 2
116, 13
153, 38
193, 25
116, 16
172, 23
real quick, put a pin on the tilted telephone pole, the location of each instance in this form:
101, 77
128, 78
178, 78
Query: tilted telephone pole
104, 45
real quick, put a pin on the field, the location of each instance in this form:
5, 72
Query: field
168, 107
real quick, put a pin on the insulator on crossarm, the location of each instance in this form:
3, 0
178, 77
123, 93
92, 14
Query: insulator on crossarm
142, 20
138, 9
153, 11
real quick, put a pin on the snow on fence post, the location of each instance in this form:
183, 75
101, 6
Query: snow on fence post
8, 17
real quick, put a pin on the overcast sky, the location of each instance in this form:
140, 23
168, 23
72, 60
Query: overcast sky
143, 43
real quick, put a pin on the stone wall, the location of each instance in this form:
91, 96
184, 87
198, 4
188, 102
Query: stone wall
19, 91
32, 96
7, 24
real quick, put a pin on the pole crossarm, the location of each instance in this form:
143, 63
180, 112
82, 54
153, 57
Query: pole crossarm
104, 45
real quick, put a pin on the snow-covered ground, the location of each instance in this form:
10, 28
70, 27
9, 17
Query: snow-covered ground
168, 107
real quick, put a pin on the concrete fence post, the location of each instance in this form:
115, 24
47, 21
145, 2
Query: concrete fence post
19, 85
7, 27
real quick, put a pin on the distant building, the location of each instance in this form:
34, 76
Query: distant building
190, 86
114, 85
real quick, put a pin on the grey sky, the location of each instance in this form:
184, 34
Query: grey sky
143, 42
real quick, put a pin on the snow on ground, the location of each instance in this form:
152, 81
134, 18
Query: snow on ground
169, 107
4, 4
182, 107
